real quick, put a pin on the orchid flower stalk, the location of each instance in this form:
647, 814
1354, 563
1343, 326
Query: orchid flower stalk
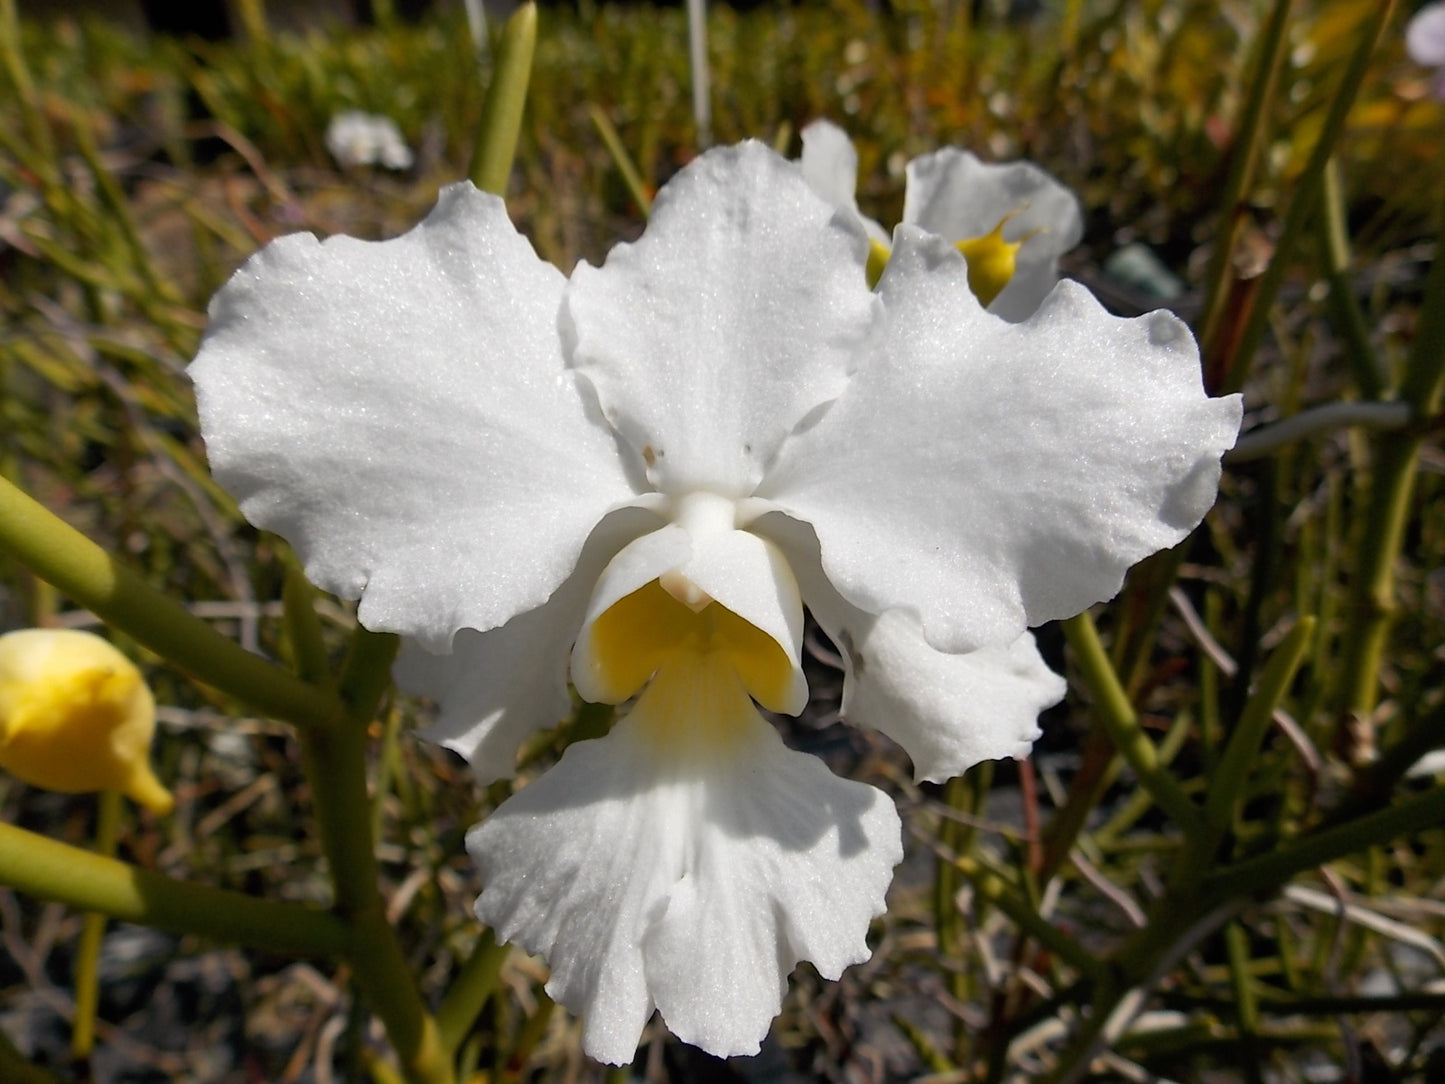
633, 480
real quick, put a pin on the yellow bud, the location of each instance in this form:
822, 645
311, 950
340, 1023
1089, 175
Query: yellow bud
76, 715
991, 260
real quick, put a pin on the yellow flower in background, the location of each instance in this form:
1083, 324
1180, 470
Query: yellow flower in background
76, 715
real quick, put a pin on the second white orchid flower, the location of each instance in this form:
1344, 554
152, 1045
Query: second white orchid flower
636, 478
1011, 221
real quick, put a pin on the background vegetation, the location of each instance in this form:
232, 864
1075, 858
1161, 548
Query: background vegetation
1217, 829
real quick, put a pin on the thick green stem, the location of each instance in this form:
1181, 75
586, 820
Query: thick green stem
469, 990
506, 101
87, 881
335, 763
61, 555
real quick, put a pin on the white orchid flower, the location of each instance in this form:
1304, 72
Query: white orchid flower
1012, 222
357, 138
1425, 42
637, 478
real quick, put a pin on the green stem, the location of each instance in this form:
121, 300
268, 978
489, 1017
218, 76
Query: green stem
335, 764
1263, 440
496, 148
631, 175
994, 888
1245, 156
61, 555
87, 881
14, 1069
1266, 872
1372, 598
469, 991
1350, 322
1231, 776
303, 629
1112, 708
87, 953
1246, 1006
1306, 193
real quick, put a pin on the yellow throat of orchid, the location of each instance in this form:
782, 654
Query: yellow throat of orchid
76, 715
991, 260
701, 664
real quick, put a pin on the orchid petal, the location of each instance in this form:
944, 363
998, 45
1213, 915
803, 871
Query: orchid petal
988, 476
496, 688
952, 194
401, 413
1425, 36
693, 885
948, 712
830, 165
738, 312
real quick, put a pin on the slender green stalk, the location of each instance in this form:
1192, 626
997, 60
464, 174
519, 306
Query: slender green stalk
1230, 778
506, 101
469, 990
1266, 872
1349, 320
631, 175
1329, 417
1246, 1004
1113, 710
1307, 192
87, 953
1245, 156
14, 1069
994, 888
1372, 598
87, 881
61, 555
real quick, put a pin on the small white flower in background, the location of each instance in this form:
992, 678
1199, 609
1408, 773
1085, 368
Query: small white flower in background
1011, 222
355, 138
636, 478
1425, 42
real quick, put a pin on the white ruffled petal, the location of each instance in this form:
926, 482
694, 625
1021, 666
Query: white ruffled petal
830, 165
948, 712
952, 194
401, 413
496, 688
739, 311
988, 476
693, 884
